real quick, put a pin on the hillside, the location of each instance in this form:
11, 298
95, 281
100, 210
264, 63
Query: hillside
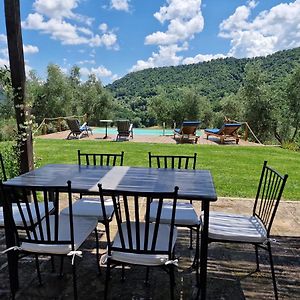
213, 79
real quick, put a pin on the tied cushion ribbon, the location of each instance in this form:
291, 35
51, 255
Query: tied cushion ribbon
15, 248
172, 262
73, 254
269, 240
103, 259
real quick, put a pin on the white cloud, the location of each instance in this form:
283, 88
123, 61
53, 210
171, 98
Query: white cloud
120, 4
29, 49
201, 58
103, 27
3, 38
49, 18
4, 62
86, 61
272, 30
69, 34
110, 40
237, 21
3, 51
166, 56
57, 28
99, 72
85, 31
185, 20
57, 9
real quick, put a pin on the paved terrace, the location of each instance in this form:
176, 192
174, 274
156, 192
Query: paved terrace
167, 139
230, 268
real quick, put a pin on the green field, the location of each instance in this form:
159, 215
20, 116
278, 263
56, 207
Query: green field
235, 170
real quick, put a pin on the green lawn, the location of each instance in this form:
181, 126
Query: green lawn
235, 170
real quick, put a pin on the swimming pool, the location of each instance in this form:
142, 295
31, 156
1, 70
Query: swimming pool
137, 131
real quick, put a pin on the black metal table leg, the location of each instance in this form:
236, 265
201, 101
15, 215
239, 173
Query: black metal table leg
204, 248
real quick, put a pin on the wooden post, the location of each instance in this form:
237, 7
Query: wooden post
246, 132
59, 120
17, 70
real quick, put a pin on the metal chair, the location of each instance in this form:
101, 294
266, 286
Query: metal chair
15, 210
100, 159
77, 130
89, 206
253, 229
54, 234
125, 130
186, 215
139, 240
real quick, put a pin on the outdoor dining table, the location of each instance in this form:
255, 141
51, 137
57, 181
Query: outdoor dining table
193, 185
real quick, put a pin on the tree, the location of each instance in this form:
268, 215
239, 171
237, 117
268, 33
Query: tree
258, 104
293, 100
75, 89
6, 94
95, 101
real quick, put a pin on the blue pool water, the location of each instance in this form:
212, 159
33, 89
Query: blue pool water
136, 131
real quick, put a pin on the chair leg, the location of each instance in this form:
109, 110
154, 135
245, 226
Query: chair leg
172, 281
147, 276
38, 269
107, 277
74, 280
197, 255
257, 258
123, 273
97, 251
52, 264
273, 271
61, 266
191, 239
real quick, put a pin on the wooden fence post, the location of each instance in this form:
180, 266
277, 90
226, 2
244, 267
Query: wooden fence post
17, 71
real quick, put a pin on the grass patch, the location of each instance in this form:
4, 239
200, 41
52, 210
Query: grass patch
235, 170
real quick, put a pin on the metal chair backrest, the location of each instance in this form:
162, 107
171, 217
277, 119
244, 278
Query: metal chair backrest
173, 161
123, 125
270, 188
2, 167
40, 224
230, 128
74, 125
189, 127
137, 234
101, 159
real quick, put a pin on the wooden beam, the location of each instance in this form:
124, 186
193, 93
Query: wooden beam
18, 78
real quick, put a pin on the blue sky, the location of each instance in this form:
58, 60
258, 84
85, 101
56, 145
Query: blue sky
111, 38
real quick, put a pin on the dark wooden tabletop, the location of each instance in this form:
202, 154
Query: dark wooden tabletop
193, 184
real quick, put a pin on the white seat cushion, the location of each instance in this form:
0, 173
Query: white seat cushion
144, 259
17, 216
91, 207
185, 213
231, 227
82, 228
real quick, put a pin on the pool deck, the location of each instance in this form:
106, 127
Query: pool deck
166, 139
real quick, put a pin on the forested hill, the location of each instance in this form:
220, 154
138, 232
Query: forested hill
212, 79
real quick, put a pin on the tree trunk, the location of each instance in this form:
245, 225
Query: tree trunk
17, 69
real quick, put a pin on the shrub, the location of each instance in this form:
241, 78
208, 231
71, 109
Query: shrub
290, 146
10, 154
8, 129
